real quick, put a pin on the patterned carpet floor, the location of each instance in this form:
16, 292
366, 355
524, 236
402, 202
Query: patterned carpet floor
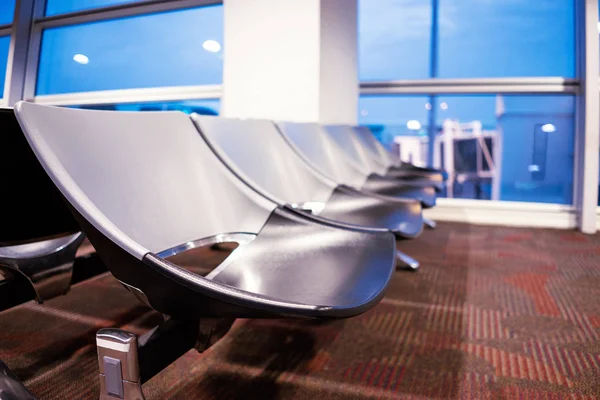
493, 313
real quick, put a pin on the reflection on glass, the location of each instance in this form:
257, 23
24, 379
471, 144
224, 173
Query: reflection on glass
506, 38
54, 7
513, 148
4, 45
393, 39
7, 11
389, 116
163, 49
204, 107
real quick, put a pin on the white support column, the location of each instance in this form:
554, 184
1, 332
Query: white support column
589, 149
291, 60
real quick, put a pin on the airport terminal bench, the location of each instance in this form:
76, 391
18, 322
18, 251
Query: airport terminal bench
145, 187
369, 153
38, 236
312, 143
257, 153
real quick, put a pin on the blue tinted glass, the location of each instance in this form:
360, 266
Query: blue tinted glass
506, 38
204, 107
54, 7
535, 144
4, 45
393, 39
7, 11
167, 49
389, 116
529, 141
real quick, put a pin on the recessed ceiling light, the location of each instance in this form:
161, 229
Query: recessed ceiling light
81, 59
548, 128
413, 125
212, 46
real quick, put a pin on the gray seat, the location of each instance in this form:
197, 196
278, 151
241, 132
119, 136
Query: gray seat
388, 159
355, 149
38, 235
323, 154
145, 187
46, 265
257, 153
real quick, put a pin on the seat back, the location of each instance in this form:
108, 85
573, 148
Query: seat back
344, 136
33, 208
367, 136
145, 180
256, 152
317, 148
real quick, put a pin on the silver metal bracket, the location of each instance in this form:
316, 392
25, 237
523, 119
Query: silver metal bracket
428, 222
126, 361
119, 367
47, 265
404, 260
211, 330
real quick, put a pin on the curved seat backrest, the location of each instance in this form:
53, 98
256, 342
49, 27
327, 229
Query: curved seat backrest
343, 135
32, 207
255, 150
365, 134
145, 180
370, 145
317, 148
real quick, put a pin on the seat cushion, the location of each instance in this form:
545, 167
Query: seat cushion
343, 272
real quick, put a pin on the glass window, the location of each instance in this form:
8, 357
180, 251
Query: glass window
204, 107
506, 38
7, 11
391, 116
534, 139
165, 49
4, 45
394, 39
513, 148
54, 7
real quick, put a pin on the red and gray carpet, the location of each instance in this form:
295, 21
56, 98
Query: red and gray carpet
493, 313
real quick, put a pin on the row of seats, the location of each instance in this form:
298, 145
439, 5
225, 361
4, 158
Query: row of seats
316, 212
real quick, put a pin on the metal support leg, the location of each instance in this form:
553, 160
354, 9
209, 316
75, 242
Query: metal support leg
46, 265
119, 367
405, 260
16, 290
126, 362
428, 222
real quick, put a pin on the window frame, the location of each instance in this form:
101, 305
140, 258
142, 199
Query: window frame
29, 22
490, 123
583, 212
